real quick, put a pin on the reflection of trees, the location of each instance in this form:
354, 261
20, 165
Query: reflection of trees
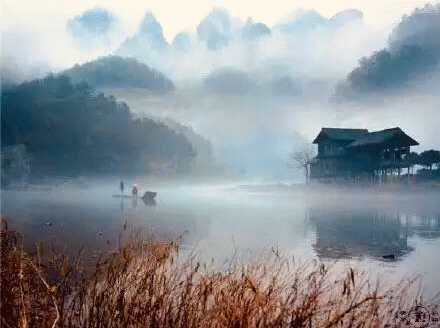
344, 234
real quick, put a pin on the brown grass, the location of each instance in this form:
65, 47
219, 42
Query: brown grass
146, 284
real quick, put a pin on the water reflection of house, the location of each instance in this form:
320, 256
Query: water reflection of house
346, 234
15, 163
352, 154
426, 227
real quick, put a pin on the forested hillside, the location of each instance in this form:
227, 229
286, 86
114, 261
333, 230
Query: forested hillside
70, 128
115, 71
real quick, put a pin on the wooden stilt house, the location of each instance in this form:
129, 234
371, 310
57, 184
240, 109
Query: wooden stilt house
357, 154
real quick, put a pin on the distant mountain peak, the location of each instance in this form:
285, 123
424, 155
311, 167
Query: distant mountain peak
303, 20
151, 31
182, 41
306, 20
216, 29
347, 16
254, 30
148, 44
149, 25
92, 22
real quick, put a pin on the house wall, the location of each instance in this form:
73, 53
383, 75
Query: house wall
358, 164
327, 148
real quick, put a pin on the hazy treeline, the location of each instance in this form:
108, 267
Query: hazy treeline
114, 71
412, 53
70, 128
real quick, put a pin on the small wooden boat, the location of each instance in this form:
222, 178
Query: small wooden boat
149, 195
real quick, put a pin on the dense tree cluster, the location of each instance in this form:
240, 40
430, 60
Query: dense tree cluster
428, 159
387, 70
71, 128
115, 71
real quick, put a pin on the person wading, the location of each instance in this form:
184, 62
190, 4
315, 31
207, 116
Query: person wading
121, 186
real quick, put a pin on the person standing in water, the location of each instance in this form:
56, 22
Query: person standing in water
121, 186
134, 191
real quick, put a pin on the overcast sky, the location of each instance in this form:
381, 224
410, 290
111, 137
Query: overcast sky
178, 15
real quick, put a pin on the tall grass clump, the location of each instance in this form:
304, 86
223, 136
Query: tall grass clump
147, 284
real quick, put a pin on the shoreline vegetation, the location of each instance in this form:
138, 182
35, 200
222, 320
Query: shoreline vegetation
146, 283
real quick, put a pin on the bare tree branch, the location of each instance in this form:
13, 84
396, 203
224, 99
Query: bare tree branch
302, 159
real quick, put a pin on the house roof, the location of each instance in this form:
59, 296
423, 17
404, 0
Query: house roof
340, 134
383, 136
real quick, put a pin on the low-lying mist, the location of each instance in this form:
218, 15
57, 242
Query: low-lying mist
256, 92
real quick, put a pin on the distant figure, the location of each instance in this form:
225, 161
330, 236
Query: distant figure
121, 186
134, 191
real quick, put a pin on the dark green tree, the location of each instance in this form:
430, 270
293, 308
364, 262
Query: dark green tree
429, 158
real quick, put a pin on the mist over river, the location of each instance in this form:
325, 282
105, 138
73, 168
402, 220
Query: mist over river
221, 221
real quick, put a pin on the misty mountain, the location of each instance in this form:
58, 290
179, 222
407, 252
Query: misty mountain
115, 71
413, 53
232, 81
203, 161
253, 31
216, 29
303, 21
202, 145
421, 28
229, 81
346, 16
182, 42
148, 40
92, 23
69, 128
221, 40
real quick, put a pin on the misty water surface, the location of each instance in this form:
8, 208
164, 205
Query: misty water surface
221, 221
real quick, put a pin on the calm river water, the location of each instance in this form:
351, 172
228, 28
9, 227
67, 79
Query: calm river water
222, 220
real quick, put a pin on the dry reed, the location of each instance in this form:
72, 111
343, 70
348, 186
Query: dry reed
146, 284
